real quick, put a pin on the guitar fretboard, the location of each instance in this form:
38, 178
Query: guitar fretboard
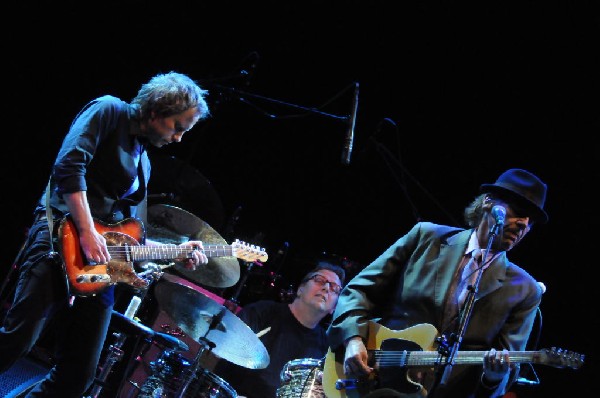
164, 252
555, 357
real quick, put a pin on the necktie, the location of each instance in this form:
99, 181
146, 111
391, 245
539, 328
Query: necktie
458, 289
469, 276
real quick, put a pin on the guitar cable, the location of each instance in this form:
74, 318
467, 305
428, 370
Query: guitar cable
523, 381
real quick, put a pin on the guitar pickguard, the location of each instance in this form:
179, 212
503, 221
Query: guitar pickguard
89, 279
120, 268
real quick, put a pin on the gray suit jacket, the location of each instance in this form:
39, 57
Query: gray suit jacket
408, 283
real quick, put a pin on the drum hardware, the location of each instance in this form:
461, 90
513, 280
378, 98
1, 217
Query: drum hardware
302, 378
204, 345
166, 376
127, 325
233, 304
171, 369
115, 353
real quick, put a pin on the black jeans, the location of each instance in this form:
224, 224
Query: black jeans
41, 297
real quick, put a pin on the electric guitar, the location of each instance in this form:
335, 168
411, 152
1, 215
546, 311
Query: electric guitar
123, 239
392, 353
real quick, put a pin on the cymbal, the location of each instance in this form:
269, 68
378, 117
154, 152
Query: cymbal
203, 318
173, 225
176, 182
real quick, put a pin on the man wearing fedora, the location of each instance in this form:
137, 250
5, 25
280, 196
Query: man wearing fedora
425, 278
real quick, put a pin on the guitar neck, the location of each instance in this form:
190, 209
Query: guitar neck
557, 358
166, 252
430, 358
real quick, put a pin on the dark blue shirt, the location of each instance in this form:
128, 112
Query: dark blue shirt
102, 154
287, 340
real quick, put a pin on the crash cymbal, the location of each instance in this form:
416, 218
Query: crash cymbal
176, 182
203, 318
170, 224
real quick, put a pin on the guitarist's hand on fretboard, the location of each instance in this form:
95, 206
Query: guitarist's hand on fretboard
496, 365
195, 257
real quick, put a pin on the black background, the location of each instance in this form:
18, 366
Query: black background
451, 95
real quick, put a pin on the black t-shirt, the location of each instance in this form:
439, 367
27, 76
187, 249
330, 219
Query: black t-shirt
287, 340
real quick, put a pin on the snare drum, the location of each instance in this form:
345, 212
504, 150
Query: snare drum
302, 378
209, 385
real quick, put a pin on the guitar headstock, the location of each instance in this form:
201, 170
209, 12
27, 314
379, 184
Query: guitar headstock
560, 358
247, 252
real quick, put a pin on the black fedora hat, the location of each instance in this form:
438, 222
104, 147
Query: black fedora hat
523, 186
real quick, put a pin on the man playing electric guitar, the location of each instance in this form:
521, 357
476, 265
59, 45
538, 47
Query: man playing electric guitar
101, 173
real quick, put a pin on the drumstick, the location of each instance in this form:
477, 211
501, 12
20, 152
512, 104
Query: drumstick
263, 332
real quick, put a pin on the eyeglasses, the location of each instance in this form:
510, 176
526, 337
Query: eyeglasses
322, 281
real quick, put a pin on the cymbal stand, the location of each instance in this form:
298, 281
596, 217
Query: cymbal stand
204, 344
115, 352
232, 304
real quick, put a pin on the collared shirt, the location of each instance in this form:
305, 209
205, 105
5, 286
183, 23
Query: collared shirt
101, 154
470, 268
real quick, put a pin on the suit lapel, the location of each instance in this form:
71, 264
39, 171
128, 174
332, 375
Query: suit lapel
451, 253
493, 276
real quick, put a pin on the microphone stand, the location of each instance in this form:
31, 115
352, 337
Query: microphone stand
243, 96
240, 94
449, 348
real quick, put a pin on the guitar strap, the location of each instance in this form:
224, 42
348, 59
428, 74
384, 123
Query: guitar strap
49, 218
53, 253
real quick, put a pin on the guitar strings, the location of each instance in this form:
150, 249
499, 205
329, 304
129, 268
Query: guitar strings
423, 358
175, 251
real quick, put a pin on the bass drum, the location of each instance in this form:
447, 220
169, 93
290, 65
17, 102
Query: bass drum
302, 378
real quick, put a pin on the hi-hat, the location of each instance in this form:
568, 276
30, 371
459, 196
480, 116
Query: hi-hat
202, 318
170, 224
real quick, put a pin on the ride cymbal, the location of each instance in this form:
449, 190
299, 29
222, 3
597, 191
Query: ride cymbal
202, 319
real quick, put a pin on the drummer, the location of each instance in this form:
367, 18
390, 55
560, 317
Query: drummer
288, 331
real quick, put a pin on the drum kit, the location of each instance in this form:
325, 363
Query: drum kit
202, 317
196, 312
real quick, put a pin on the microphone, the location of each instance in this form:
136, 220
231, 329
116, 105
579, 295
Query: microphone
499, 214
349, 140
